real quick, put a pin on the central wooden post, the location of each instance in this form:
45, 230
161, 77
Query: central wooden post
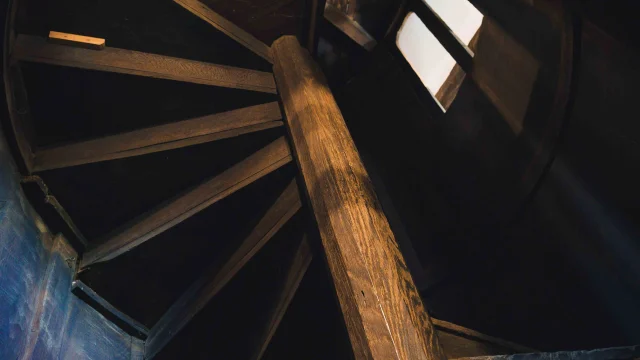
383, 311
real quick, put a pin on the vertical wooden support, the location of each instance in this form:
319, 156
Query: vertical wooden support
383, 311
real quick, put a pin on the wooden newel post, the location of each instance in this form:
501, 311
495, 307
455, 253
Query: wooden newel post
383, 311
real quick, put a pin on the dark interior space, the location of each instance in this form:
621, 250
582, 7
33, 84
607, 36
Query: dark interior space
517, 210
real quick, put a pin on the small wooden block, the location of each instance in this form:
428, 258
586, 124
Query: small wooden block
76, 40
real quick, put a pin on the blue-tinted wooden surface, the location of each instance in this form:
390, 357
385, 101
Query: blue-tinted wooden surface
39, 317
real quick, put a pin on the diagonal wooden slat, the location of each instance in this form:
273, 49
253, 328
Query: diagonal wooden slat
349, 27
261, 163
299, 266
160, 138
227, 27
37, 49
205, 288
98, 303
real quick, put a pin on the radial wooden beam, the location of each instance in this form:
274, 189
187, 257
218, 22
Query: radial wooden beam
227, 27
349, 27
37, 49
205, 288
238, 176
160, 138
297, 269
382, 308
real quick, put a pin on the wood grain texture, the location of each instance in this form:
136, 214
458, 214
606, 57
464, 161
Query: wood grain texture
259, 164
230, 29
349, 27
160, 138
383, 311
299, 265
36, 49
87, 42
205, 288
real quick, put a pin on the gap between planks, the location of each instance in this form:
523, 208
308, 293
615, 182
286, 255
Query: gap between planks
205, 288
227, 27
259, 164
160, 138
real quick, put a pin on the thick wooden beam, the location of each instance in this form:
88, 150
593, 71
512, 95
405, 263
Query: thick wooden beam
261, 163
205, 288
383, 310
37, 49
299, 266
160, 138
227, 27
349, 27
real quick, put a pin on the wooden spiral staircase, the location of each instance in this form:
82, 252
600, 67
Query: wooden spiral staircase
260, 187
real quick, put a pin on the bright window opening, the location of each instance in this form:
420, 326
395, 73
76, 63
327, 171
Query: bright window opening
426, 55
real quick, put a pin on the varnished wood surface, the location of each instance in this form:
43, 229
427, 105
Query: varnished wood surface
205, 288
383, 310
83, 41
162, 137
297, 269
230, 29
349, 27
36, 49
259, 164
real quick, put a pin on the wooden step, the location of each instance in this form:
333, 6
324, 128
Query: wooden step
162, 137
227, 27
259, 164
37, 49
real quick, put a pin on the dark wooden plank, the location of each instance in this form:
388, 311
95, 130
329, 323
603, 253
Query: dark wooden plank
230, 29
349, 27
383, 310
126, 323
205, 288
83, 41
299, 265
160, 138
259, 164
459, 341
36, 49
449, 40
